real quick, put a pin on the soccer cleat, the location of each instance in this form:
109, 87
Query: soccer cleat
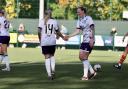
53, 75
84, 78
50, 78
92, 75
117, 66
6, 69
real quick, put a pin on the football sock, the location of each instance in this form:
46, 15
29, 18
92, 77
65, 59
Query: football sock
123, 57
53, 63
1, 57
85, 65
90, 68
48, 66
6, 61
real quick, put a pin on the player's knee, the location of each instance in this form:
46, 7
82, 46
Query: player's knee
81, 57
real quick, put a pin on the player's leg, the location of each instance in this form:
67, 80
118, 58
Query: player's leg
48, 65
5, 42
1, 54
52, 59
5, 57
92, 72
83, 55
122, 58
1, 57
45, 52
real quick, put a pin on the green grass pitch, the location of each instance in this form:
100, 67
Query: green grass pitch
28, 71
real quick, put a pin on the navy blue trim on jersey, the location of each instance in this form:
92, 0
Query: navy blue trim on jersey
77, 28
92, 25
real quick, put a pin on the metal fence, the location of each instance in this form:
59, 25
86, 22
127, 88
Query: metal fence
102, 27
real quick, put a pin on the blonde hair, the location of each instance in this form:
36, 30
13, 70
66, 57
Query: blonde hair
47, 15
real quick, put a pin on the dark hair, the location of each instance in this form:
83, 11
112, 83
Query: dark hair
1, 11
82, 8
48, 12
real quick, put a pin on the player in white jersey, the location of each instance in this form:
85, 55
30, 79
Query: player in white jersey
85, 25
4, 41
48, 28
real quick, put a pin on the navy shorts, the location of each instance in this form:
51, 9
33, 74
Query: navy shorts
86, 47
48, 49
4, 39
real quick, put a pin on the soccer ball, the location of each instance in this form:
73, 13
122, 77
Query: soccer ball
97, 67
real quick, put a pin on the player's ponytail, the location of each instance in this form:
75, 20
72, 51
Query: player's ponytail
47, 15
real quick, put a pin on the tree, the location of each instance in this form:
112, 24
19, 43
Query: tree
10, 9
2, 4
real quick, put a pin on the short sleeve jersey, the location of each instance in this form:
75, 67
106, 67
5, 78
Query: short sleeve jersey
84, 25
4, 25
48, 32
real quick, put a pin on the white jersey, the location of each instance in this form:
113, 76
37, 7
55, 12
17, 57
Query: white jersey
84, 25
4, 25
48, 36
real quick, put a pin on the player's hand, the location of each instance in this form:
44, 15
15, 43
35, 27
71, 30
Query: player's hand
66, 37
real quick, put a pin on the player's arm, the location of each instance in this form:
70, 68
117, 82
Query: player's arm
59, 34
76, 32
92, 36
39, 33
125, 36
93, 32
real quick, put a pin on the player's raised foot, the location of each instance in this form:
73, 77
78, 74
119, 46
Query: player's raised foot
117, 66
6, 69
50, 78
53, 75
91, 76
84, 78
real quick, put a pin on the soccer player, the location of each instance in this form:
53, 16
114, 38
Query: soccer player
47, 31
85, 25
4, 41
123, 56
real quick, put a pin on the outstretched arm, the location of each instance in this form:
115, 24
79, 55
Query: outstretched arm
77, 31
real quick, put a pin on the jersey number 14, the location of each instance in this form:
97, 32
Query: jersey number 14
49, 29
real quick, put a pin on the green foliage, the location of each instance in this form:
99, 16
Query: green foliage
29, 9
58, 11
98, 9
2, 4
66, 9
10, 9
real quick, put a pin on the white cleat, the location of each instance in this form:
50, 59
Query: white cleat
92, 75
6, 69
84, 78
